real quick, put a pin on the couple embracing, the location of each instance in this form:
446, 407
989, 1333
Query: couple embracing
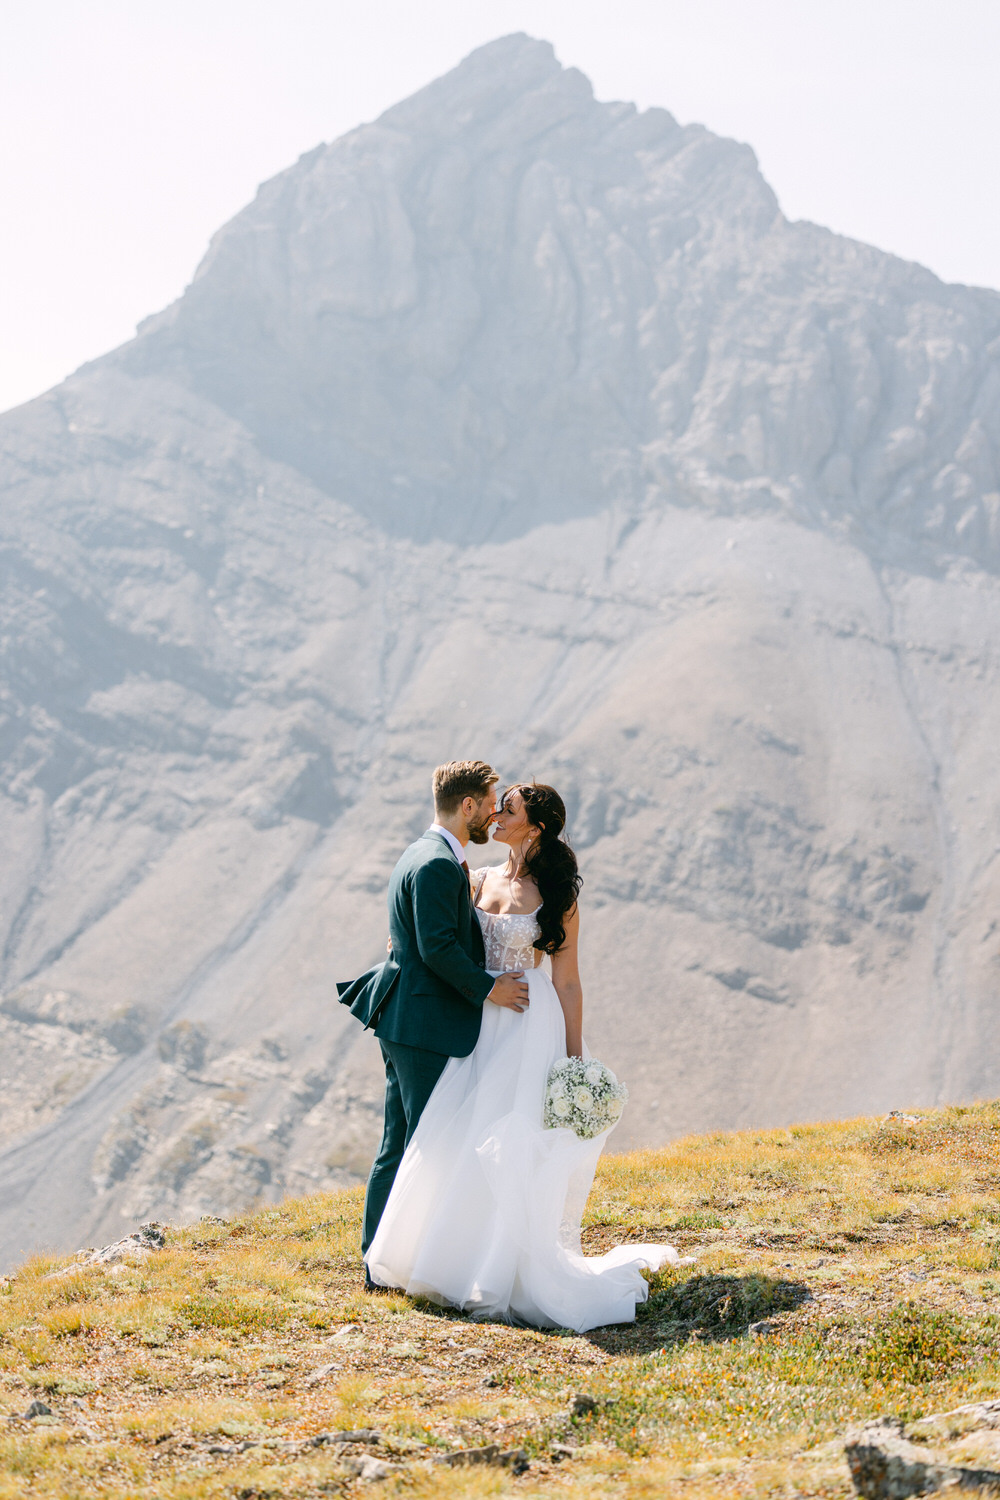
474, 1200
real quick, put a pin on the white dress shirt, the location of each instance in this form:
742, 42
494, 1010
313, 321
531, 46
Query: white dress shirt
456, 848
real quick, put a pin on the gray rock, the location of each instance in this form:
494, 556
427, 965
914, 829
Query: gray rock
582, 1404
350, 1333
491, 1453
886, 1466
371, 1469
975, 1416
763, 1329
133, 1249
183, 1044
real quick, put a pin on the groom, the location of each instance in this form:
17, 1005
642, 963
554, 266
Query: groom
425, 1001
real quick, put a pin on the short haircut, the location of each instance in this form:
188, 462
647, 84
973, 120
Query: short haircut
459, 779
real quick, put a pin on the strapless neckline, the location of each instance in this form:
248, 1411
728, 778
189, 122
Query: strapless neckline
509, 940
507, 913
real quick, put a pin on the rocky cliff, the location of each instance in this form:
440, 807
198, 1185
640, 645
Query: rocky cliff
520, 425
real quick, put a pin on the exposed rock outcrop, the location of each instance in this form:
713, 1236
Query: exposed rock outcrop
887, 1465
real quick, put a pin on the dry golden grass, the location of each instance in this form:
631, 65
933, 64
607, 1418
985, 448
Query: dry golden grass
872, 1249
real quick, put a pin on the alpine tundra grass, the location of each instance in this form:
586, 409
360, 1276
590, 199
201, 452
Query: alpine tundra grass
843, 1270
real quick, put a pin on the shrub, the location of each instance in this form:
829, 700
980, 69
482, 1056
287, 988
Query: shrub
914, 1346
245, 1314
720, 1306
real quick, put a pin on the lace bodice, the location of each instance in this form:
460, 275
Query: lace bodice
509, 938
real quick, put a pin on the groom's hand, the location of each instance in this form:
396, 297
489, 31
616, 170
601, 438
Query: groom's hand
510, 990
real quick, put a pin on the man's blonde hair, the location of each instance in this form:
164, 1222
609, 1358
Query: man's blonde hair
459, 779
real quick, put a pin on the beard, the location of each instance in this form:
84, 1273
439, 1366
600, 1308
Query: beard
479, 833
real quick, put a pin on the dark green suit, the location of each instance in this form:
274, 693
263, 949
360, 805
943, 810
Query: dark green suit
425, 1001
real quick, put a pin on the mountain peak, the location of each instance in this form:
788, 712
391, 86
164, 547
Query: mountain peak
487, 82
488, 307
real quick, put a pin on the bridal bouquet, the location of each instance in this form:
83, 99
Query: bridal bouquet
581, 1094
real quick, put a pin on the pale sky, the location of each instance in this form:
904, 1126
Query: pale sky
130, 130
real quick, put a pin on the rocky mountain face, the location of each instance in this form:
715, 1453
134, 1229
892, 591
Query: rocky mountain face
517, 425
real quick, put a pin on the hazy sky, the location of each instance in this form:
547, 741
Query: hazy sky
131, 129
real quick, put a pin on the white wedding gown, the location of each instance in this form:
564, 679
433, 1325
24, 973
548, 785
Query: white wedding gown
485, 1210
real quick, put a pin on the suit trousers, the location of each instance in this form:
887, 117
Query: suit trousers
410, 1076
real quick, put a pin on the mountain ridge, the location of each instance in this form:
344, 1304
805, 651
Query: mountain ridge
453, 347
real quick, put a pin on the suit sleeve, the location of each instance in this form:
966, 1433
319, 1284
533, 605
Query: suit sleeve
435, 899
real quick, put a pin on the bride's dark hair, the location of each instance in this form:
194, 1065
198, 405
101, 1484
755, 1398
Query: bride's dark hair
551, 862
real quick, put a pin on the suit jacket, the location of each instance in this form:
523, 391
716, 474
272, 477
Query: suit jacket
429, 992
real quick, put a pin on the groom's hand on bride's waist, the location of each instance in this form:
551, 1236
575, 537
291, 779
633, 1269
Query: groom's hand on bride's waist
510, 990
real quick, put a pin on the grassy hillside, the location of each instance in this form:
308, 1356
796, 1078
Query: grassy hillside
870, 1251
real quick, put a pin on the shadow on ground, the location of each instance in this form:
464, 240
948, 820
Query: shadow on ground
710, 1308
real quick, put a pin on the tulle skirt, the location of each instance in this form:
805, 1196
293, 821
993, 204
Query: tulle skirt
485, 1211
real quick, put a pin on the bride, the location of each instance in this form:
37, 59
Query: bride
485, 1211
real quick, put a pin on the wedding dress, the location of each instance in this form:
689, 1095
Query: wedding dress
485, 1210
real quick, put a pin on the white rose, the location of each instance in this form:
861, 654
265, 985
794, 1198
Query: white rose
583, 1099
593, 1073
614, 1109
560, 1107
557, 1089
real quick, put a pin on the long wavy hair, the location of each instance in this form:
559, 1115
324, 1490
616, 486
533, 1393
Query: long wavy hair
551, 862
